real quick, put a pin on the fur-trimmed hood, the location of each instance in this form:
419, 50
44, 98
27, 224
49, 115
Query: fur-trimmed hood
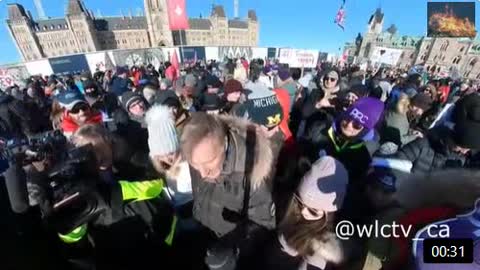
328, 249
263, 160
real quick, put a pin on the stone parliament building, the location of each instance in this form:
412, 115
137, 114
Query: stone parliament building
80, 31
435, 54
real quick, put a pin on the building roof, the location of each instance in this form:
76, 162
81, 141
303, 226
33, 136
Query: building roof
252, 15
16, 11
218, 11
237, 24
120, 23
51, 25
75, 7
199, 24
377, 16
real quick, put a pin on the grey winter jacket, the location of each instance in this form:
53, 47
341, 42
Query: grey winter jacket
432, 152
399, 122
212, 199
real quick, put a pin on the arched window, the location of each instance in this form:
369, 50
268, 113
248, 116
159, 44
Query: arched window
473, 61
445, 45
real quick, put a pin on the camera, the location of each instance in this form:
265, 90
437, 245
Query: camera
73, 196
36, 148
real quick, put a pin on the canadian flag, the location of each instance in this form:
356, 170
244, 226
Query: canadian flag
177, 15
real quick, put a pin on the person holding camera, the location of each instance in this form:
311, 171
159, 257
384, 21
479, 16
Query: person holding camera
75, 202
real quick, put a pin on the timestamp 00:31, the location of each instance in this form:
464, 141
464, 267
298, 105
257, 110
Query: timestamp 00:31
445, 250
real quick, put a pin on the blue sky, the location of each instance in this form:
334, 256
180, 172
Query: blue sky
304, 24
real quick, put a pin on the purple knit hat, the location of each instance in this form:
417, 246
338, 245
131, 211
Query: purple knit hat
366, 111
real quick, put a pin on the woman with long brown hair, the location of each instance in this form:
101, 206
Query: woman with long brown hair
306, 231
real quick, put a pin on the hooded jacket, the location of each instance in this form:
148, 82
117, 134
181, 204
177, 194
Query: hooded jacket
212, 199
432, 152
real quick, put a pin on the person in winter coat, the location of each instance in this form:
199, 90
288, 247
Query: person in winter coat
100, 140
171, 100
345, 138
306, 236
240, 74
234, 96
106, 103
231, 165
329, 82
129, 214
163, 142
397, 128
286, 82
77, 112
266, 77
441, 148
135, 105
121, 83
131, 131
356, 92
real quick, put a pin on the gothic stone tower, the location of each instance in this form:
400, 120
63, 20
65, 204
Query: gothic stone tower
157, 20
20, 26
81, 24
374, 28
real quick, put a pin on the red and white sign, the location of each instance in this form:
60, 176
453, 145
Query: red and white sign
6, 79
299, 58
177, 15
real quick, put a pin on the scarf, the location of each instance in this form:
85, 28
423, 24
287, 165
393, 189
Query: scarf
69, 126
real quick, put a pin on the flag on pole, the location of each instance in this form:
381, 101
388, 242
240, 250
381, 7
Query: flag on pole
340, 18
174, 61
177, 15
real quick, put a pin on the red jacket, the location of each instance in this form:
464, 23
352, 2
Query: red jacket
69, 126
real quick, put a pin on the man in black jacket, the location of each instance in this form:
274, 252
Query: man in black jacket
230, 166
441, 148
444, 147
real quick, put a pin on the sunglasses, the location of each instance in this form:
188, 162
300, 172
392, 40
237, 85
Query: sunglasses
355, 124
330, 79
80, 107
312, 211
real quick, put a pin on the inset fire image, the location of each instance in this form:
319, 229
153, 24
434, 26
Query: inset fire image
451, 19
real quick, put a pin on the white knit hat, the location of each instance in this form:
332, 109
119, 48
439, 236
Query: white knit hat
162, 135
325, 185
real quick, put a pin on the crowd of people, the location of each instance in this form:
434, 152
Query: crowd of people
236, 165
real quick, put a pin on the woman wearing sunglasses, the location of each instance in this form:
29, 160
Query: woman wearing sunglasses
346, 138
77, 112
306, 234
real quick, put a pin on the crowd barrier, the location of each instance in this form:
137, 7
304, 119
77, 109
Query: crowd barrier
103, 60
